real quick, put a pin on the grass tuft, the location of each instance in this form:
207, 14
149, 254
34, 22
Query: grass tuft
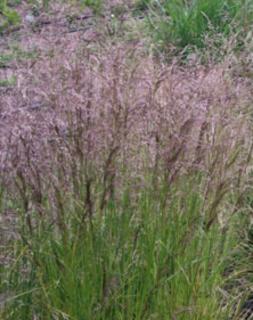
187, 23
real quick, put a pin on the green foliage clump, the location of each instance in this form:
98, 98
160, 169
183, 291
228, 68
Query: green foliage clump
95, 5
7, 16
184, 23
8, 82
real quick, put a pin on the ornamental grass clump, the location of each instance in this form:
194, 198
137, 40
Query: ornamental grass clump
125, 176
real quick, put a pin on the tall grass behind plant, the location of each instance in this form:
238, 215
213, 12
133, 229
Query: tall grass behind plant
186, 23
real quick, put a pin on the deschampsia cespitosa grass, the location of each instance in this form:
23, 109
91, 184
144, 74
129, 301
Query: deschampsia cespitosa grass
127, 178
